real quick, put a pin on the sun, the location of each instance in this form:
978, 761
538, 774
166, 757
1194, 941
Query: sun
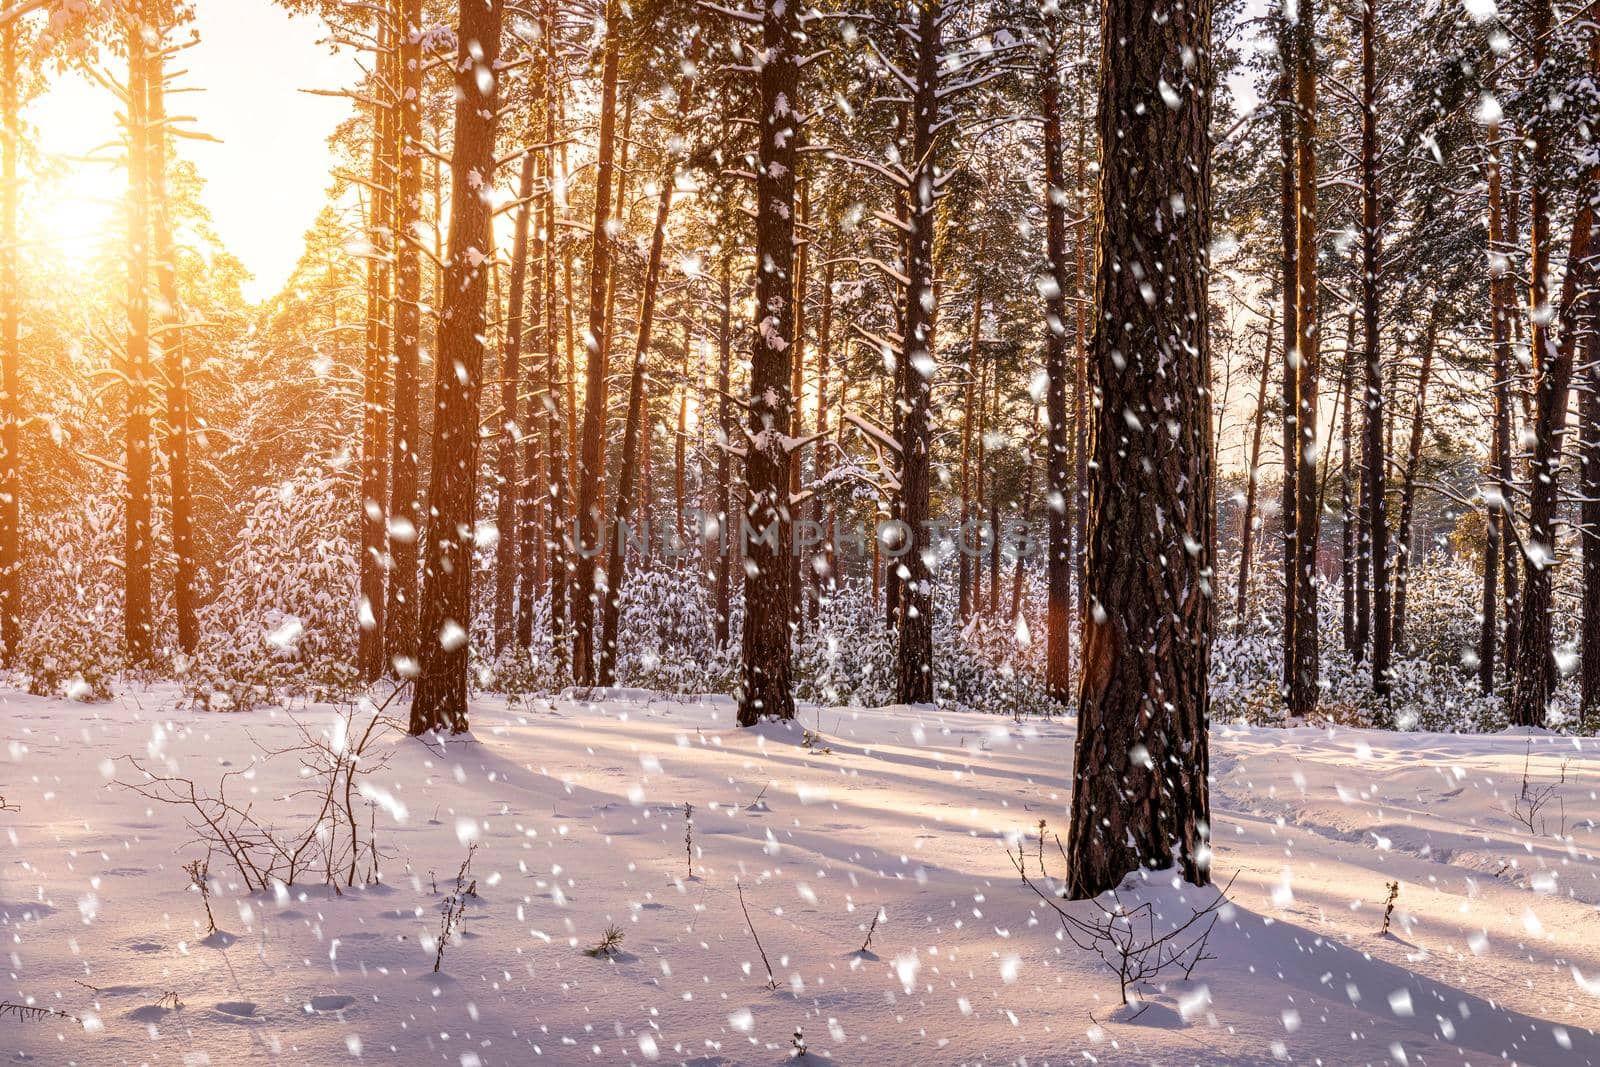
72, 204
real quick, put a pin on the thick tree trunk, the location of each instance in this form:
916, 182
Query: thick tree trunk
1288, 236
1247, 530
1408, 485
174, 361
440, 701
1058, 458
765, 687
591, 538
914, 674
138, 619
375, 366
1374, 550
10, 357
1140, 796
399, 624
1303, 687
1534, 682
507, 548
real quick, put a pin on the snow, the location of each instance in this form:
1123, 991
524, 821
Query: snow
576, 812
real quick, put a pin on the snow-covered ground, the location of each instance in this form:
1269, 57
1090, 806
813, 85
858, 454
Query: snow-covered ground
577, 812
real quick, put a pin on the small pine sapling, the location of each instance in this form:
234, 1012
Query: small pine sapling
607, 946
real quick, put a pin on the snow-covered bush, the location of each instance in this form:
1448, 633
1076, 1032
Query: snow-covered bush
72, 641
283, 621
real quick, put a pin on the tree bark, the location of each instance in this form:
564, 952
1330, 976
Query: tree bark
726, 430
405, 499
1589, 516
138, 619
440, 701
591, 538
765, 687
174, 358
914, 673
507, 548
1289, 240
10, 356
1347, 508
1058, 458
1140, 796
1374, 550
1303, 687
1498, 507
1534, 681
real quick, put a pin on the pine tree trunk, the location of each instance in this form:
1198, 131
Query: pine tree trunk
558, 416
765, 687
1140, 796
994, 505
727, 529
440, 700
1496, 513
1374, 551
1347, 513
531, 490
797, 378
507, 549
914, 673
1058, 458
591, 459
1247, 533
174, 360
822, 577
1534, 682
405, 498
1303, 688
138, 620
1589, 516
1289, 241
10, 357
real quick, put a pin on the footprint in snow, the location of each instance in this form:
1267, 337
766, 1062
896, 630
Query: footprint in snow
328, 1004
238, 1011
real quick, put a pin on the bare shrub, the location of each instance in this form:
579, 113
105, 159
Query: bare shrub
1127, 941
327, 843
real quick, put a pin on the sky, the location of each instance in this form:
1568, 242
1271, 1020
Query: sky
267, 178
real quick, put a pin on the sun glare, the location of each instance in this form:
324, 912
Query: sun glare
76, 206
